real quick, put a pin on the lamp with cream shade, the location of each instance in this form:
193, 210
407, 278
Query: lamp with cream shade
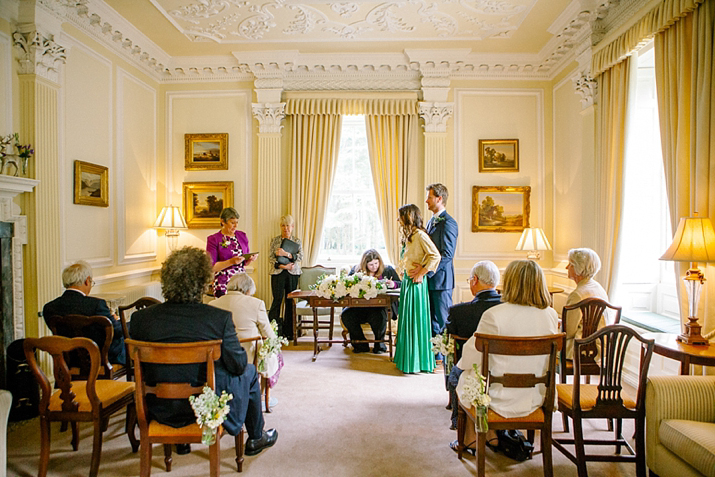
171, 219
694, 241
533, 240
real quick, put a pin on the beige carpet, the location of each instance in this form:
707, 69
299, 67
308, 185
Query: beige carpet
343, 415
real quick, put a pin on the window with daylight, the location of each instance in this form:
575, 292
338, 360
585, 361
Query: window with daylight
352, 224
646, 285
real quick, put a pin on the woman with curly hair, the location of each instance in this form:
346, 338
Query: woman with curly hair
418, 257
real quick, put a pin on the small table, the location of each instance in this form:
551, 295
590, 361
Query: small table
314, 301
667, 345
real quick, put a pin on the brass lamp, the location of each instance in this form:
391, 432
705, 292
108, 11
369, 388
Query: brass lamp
533, 240
172, 221
694, 241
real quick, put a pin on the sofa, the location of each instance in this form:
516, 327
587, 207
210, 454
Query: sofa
680, 426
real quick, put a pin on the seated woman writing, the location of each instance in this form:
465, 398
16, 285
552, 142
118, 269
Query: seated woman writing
371, 264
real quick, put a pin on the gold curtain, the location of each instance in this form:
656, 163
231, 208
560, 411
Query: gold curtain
613, 88
391, 139
686, 105
315, 143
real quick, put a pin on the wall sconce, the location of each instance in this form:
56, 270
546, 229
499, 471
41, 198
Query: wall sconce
533, 240
172, 221
694, 241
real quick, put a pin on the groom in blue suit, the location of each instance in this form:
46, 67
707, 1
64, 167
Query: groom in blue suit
442, 229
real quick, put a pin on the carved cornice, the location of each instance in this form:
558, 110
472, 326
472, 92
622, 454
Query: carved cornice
436, 116
587, 88
39, 54
269, 116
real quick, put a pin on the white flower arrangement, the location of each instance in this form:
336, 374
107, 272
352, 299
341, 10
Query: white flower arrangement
443, 344
270, 347
210, 411
357, 285
475, 392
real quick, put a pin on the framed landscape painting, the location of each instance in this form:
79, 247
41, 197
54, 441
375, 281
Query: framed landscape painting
91, 184
498, 155
204, 201
206, 152
500, 208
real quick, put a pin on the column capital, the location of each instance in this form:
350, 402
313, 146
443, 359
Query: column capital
39, 54
435, 115
587, 88
269, 116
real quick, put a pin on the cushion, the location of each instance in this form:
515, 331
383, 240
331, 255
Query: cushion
589, 393
191, 431
535, 417
108, 392
692, 441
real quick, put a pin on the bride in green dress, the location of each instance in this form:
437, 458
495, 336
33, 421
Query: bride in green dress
418, 256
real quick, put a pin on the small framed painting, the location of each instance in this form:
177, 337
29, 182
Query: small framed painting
206, 152
500, 208
204, 201
498, 155
91, 184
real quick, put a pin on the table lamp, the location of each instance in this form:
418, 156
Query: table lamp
694, 241
172, 221
533, 240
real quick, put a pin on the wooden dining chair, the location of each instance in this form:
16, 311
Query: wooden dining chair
607, 399
74, 401
591, 311
124, 314
538, 420
265, 389
302, 313
152, 432
98, 328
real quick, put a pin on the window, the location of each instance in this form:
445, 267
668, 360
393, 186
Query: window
645, 284
352, 224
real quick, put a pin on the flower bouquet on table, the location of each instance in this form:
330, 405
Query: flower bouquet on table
210, 411
475, 392
358, 285
444, 344
270, 348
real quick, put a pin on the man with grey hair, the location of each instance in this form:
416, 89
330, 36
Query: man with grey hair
464, 317
78, 282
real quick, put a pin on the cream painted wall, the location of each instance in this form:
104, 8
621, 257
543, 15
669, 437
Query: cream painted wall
6, 103
217, 111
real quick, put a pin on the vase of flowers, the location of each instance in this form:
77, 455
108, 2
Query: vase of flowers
475, 392
339, 286
444, 344
270, 347
210, 410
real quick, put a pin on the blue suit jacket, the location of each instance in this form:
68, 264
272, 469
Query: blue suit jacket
443, 233
464, 318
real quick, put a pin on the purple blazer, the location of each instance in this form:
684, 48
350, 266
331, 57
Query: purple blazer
218, 253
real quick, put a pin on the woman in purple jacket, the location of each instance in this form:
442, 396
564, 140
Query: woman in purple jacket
226, 249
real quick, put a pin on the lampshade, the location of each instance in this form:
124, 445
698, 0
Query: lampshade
170, 218
533, 239
694, 241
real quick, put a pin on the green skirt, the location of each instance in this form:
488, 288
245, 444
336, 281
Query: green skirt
414, 348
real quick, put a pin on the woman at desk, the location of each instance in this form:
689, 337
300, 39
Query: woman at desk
227, 249
372, 265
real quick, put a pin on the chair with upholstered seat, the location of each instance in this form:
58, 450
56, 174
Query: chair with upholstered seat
92, 400
539, 419
152, 432
124, 314
302, 313
607, 399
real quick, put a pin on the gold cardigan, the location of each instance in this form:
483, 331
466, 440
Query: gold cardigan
421, 250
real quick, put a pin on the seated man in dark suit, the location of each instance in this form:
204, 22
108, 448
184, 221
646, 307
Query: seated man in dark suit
183, 318
464, 317
78, 282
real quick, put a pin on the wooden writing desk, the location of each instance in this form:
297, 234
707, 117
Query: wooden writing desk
667, 345
314, 301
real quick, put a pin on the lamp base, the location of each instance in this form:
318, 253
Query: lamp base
692, 334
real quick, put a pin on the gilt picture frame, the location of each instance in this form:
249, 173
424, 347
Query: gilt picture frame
206, 152
500, 209
204, 201
91, 184
498, 155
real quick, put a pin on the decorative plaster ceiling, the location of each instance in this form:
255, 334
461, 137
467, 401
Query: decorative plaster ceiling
240, 21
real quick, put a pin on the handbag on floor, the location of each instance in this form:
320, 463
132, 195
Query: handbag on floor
514, 445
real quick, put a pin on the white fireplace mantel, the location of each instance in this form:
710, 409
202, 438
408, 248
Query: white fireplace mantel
10, 187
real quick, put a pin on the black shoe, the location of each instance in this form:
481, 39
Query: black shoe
454, 445
453, 426
267, 439
379, 349
361, 348
183, 449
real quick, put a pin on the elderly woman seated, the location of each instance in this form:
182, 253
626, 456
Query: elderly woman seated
251, 319
583, 265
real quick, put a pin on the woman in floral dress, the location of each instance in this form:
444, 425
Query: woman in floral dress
226, 249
